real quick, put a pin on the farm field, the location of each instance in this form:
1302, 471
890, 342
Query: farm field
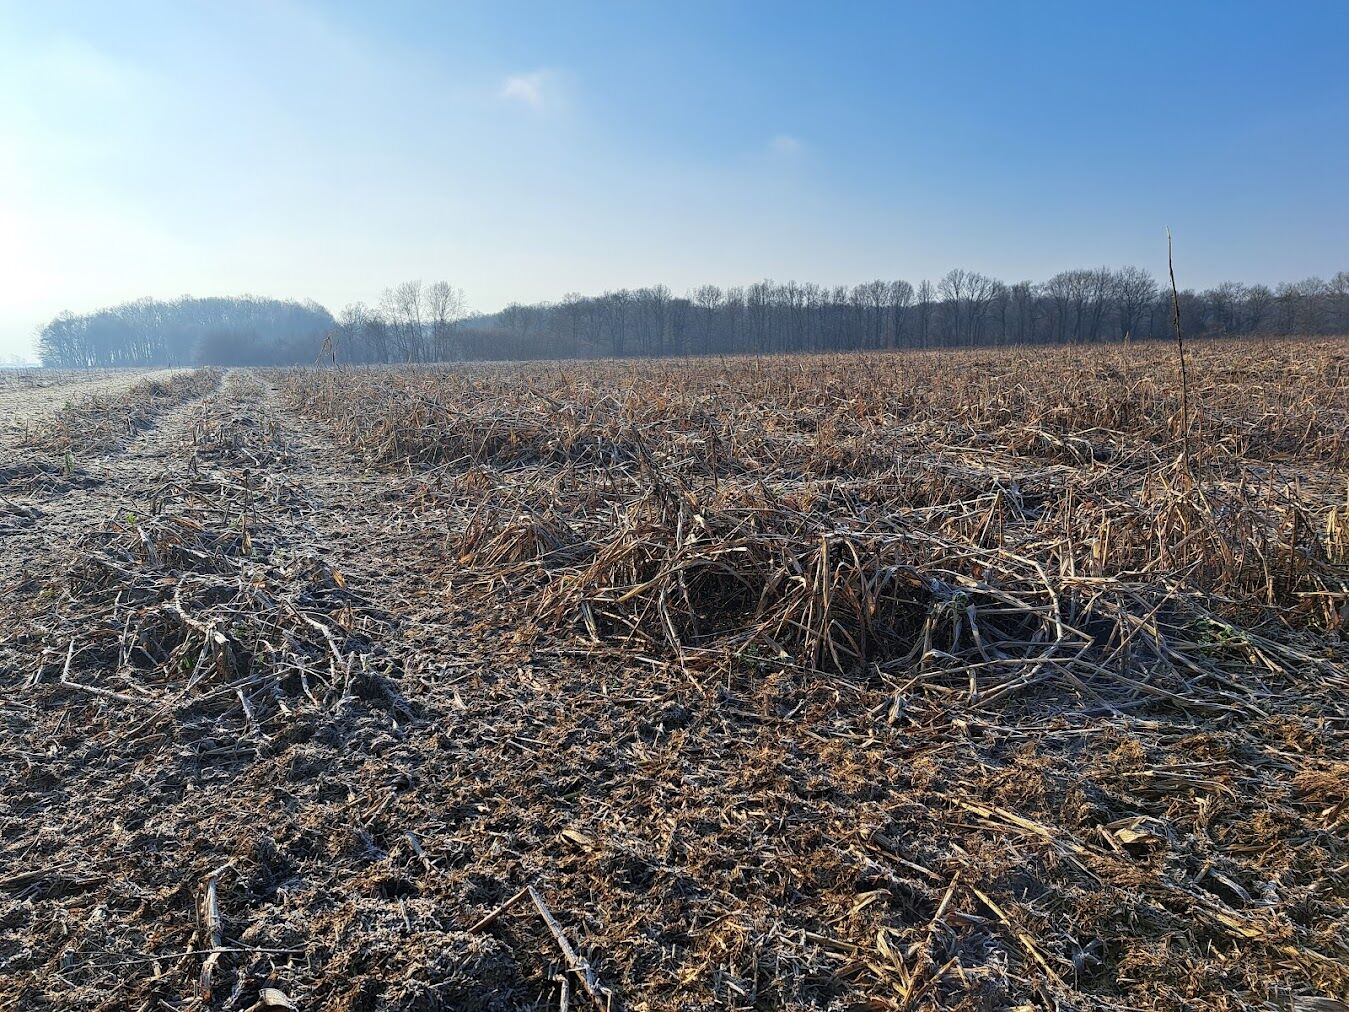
878, 681
30, 397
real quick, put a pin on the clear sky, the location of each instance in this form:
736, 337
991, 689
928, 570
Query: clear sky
524, 150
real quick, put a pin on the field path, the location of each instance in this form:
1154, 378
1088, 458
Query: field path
312, 507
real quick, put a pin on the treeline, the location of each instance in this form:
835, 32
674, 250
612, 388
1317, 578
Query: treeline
187, 331
416, 322
963, 309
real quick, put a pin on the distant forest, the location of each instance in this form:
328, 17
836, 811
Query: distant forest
427, 323
187, 331
963, 309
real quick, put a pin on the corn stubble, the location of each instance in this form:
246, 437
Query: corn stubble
857, 682
888, 560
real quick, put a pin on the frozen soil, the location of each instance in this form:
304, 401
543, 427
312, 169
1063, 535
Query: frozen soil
242, 672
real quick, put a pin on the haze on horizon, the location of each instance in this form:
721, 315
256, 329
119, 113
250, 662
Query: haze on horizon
525, 150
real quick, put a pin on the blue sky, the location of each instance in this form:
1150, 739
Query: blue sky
524, 150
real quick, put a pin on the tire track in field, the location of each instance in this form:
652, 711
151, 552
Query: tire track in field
364, 514
369, 812
318, 505
305, 497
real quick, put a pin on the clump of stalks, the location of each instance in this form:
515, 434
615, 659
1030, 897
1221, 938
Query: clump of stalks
213, 615
815, 507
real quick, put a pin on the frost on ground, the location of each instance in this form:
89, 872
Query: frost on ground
864, 682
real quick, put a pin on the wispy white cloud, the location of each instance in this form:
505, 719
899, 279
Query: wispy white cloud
786, 144
538, 89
